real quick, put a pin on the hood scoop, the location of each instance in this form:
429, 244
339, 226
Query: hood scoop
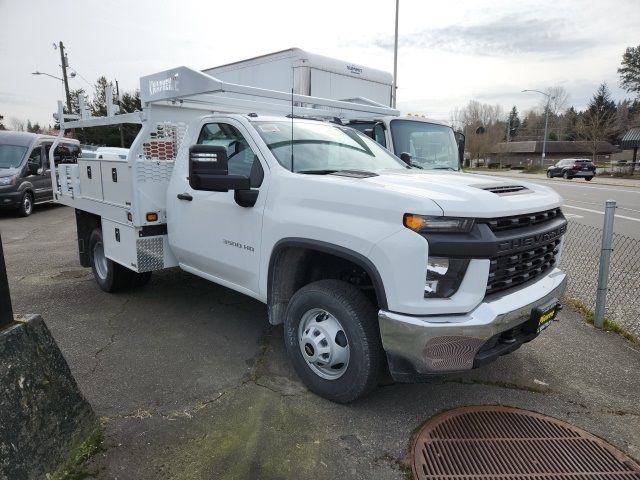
503, 190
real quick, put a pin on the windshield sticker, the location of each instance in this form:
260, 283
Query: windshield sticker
269, 128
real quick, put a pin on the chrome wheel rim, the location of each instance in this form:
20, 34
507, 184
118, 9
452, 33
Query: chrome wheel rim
324, 344
27, 205
100, 261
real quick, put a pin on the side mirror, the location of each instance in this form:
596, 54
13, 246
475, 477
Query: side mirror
209, 171
406, 158
40, 171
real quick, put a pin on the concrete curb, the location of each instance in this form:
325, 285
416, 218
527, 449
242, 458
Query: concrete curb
43, 414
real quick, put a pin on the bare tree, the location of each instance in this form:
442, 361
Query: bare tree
482, 124
16, 124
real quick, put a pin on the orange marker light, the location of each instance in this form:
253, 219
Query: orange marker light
152, 217
414, 222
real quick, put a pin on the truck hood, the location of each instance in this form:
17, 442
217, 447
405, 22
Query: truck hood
468, 195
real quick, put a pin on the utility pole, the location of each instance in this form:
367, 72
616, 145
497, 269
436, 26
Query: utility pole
120, 111
64, 63
394, 86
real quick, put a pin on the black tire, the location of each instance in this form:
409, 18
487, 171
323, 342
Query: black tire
549, 175
566, 176
588, 179
358, 319
26, 205
110, 276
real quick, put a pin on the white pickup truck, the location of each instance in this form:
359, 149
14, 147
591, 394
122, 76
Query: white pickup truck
372, 265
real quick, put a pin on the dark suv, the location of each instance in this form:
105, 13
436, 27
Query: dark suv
573, 167
25, 174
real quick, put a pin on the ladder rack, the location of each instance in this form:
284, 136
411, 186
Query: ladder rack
183, 87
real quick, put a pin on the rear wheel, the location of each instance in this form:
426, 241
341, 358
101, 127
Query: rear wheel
588, 179
549, 174
111, 276
333, 341
26, 205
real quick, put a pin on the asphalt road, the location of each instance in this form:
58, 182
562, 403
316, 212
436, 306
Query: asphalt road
190, 381
584, 201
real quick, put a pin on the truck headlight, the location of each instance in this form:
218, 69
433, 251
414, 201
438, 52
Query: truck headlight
6, 180
433, 224
444, 276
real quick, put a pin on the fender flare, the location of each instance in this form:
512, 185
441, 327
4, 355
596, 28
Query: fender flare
337, 250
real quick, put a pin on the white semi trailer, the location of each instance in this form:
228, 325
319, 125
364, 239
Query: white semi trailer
303, 73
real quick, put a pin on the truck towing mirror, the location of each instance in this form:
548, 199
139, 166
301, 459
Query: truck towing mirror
209, 170
406, 158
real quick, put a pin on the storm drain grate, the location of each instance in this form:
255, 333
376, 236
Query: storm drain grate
507, 443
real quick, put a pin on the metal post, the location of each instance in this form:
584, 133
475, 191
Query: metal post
119, 111
6, 311
394, 86
544, 139
605, 257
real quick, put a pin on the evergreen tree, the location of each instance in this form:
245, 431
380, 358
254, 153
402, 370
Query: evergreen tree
514, 122
599, 120
571, 122
629, 70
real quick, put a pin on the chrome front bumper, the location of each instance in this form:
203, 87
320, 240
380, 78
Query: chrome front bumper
438, 344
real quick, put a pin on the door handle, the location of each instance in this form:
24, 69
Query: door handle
185, 196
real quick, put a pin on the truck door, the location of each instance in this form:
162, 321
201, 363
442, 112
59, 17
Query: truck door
210, 234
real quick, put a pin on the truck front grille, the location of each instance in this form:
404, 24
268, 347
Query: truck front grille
510, 270
519, 221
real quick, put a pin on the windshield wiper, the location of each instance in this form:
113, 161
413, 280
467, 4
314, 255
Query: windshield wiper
444, 168
415, 165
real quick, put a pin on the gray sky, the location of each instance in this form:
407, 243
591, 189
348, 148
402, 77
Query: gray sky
449, 52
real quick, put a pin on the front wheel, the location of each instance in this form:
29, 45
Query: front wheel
111, 276
566, 176
26, 205
333, 341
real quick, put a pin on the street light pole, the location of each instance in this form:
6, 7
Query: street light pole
546, 122
394, 86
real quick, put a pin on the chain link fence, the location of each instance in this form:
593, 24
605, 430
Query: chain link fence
580, 259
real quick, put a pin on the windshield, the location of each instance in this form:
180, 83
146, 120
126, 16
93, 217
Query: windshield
431, 146
322, 147
11, 155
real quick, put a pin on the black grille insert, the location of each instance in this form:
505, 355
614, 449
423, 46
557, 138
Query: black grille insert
510, 270
519, 221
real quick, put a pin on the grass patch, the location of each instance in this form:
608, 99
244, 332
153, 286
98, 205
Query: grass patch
73, 468
609, 325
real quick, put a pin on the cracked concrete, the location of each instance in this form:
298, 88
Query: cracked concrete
191, 382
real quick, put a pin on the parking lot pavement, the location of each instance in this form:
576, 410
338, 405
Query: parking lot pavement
192, 383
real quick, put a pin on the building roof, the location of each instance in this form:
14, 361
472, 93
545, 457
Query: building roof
631, 139
554, 147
